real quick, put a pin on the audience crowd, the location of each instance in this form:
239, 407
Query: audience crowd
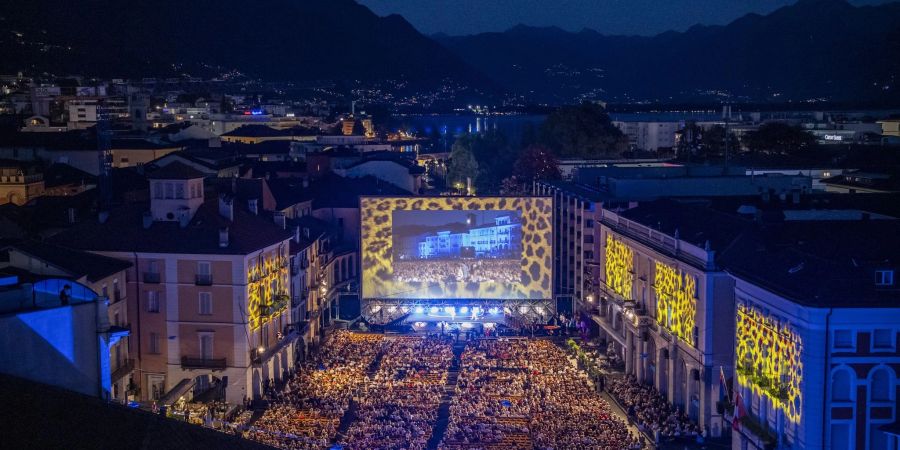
368, 392
523, 394
650, 410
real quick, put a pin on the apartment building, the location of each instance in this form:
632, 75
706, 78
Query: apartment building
816, 337
576, 262
209, 289
45, 270
665, 302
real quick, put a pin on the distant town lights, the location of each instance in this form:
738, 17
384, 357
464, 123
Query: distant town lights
434, 310
464, 310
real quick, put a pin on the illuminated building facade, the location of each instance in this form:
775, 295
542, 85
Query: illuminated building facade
816, 335
665, 304
208, 292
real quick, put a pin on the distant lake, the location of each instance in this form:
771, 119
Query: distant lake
512, 125
455, 124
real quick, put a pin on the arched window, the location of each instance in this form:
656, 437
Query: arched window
841, 386
881, 385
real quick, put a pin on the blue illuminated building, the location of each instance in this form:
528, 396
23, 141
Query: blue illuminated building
502, 239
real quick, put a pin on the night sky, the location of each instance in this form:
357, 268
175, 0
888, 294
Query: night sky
644, 17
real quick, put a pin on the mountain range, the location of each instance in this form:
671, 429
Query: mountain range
275, 40
814, 50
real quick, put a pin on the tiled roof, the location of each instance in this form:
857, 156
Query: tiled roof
75, 262
820, 264
124, 231
175, 170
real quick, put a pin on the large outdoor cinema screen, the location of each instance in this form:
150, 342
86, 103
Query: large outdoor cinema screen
492, 248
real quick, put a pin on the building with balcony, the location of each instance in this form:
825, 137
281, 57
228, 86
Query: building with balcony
665, 303
817, 322
56, 331
208, 290
32, 260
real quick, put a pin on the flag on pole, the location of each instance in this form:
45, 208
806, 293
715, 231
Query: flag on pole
739, 411
723, 386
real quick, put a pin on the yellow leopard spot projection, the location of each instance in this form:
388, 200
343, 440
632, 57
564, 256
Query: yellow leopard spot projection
676, 301
768, 357
619, 267
378, 281
267, 287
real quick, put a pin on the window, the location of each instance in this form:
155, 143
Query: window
203, 268
157, 190
170, 190
883, 339
154, 343
206, 346
152, 302
841, 386
881, 385
179, 190
843, 339
205, 304
153, 266
884, 277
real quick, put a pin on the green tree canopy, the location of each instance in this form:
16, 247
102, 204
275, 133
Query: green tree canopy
780, 138
536, 162
462, 162
582, 131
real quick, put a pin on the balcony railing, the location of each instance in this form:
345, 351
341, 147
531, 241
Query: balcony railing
204, 279
124, 369
151, 277
203, 363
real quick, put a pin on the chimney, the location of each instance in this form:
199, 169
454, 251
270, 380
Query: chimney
226, 208
148, 219
223, 237
280, 220
297, 234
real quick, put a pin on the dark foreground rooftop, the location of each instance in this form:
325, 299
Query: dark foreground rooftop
41, 416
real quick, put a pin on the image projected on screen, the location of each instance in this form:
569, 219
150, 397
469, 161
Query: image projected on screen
458, 246
498, 248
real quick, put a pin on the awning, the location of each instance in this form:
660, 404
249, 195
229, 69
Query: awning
180, 389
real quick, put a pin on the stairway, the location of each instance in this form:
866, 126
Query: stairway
443, 416
346, 420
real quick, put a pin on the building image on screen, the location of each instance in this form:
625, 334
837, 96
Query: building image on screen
457, 246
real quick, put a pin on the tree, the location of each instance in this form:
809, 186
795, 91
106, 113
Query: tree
582, 131
536, 162
513, 187
462, 162
780, 138
495, 157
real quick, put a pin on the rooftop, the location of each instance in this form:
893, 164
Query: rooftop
123, 231
37, 412
176, 170
820, 264
76, 263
